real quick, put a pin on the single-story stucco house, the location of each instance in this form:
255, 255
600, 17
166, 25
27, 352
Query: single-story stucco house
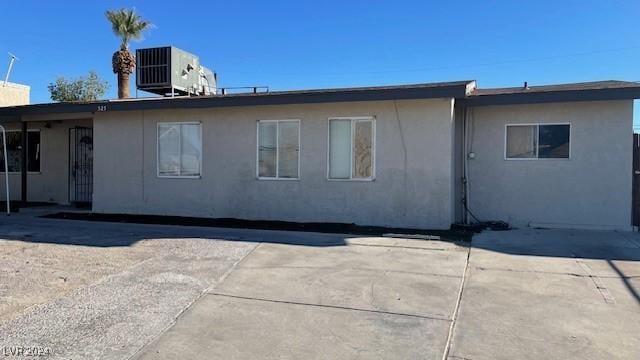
406, 156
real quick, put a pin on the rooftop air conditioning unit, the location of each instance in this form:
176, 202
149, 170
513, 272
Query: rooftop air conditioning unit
171, 71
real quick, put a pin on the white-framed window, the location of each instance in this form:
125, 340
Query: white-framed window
351, 150
14, 151
537, 141
278, 149
180, 149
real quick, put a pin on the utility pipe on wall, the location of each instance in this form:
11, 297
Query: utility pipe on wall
465, 166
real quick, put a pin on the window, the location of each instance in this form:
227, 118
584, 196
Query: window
179, 149
351, 148
537, 141
278, 149
14, 151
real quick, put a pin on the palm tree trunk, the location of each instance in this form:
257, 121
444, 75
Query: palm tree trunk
123, 85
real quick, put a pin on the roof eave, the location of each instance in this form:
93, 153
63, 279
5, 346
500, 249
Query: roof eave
627, 93
400, 93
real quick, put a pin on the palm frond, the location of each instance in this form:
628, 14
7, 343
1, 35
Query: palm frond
127, 25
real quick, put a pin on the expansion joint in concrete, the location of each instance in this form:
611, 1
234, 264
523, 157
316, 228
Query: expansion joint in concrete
204, 292
429, 317
481, 268
456, 309
353, 269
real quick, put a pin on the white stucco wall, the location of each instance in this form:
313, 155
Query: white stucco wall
51, 184
590, 190
13, 94
414, 161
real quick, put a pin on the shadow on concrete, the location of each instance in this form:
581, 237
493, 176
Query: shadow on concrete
625, 280
110, 234
283, 227
607, 246
601, 245
111, 230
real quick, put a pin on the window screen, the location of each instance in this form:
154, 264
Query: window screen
179, 149
539, 141
351, 149
278, 149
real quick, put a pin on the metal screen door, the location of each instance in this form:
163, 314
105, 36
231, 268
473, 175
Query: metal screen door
80, 166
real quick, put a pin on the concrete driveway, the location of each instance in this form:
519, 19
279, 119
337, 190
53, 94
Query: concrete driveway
551, 294
118, 291
374, 298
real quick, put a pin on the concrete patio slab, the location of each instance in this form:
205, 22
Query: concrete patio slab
219, 327
529, 295
115, 291
398, 241
506, 315
413, 281
383, 258
370, 298
404, 293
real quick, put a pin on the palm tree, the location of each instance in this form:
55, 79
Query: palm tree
127, 25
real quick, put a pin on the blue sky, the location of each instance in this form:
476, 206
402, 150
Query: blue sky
297, 44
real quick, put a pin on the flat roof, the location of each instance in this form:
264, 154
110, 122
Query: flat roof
454, 89
13, 85
465, 93
582, 91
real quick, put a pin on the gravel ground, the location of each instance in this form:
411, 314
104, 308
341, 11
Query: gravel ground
101, 290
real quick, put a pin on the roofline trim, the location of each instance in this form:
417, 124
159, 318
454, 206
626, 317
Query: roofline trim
426, 91
626, 93
462, 91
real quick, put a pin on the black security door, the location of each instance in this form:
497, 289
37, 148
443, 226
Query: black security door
80, 166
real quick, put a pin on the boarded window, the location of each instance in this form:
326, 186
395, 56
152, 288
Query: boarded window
539, 141
278, 149
179, 149
351, 150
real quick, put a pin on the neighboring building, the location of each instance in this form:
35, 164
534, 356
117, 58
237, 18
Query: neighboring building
396, 156
13, 94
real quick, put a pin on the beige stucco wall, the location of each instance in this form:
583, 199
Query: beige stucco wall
51, 183
13, 94
590, 190
413, 185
